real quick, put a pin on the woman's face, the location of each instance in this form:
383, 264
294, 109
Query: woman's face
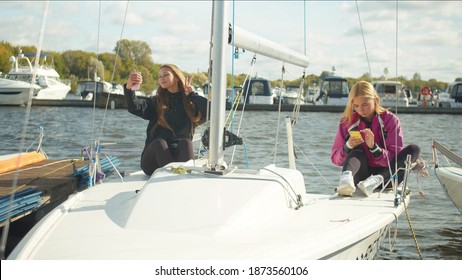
365, 106
167, 80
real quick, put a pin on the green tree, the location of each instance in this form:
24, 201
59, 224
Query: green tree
78, 63
325, 74
6, 51
138, 53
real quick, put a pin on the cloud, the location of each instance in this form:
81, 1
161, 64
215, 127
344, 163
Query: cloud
429, 32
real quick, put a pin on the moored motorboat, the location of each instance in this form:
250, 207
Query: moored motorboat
451, 97
293, 96
51, 86
14, 92
333, 91
391, 94
104, 94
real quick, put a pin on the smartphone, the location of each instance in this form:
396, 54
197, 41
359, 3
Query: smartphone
355, 134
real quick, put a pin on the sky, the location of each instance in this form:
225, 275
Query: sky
354, 38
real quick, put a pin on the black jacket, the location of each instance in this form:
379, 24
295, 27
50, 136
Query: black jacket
175, 116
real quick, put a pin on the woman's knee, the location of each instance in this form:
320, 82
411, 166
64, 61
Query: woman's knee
160, 142
184, 150
413, 150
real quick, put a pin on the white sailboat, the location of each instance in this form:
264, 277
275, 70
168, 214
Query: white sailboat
449, 176
206, 210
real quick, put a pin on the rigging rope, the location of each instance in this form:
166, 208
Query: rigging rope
414, 237
364, 40
94, 164
113, 70
95, 75
235, 104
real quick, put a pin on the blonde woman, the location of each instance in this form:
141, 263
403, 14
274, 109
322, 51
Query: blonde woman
173, 113
369, 140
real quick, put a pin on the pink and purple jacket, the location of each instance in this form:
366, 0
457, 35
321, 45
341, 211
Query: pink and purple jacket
382, 152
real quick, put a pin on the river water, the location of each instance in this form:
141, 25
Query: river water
436, 222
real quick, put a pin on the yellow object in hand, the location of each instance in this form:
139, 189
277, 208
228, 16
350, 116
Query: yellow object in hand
355, 134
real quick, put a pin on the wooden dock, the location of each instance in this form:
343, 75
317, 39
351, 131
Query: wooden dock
53, 177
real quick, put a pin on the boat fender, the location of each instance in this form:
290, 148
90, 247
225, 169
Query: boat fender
20, 161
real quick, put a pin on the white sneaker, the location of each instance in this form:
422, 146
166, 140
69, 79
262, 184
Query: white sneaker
346, 186
370, 184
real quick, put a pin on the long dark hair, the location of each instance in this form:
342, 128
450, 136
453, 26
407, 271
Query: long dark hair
162, 99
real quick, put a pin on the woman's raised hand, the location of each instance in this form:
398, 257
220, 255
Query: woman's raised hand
187, 86
134, 78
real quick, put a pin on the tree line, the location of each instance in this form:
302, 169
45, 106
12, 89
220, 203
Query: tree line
77, 65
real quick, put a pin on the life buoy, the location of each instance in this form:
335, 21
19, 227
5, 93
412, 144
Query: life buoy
426, 91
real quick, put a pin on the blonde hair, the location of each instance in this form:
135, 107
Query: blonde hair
364, 89
162, 99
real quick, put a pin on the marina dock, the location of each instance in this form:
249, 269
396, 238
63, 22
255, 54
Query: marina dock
339, 109
272, 107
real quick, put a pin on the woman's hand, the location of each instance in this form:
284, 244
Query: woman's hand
187, 86
134, 78
353, 142
368, 136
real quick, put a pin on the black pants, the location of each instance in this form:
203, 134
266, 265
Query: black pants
158, 153
356, 162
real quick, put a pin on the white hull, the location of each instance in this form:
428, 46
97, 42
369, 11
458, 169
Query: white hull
58, 91
241, 215
253, 99
333, 101
293, 101
14, 92
292, 98
392, 103
451, 180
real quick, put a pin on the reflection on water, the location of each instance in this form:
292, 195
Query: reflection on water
436, 221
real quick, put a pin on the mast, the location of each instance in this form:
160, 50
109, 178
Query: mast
222, 36
218, 101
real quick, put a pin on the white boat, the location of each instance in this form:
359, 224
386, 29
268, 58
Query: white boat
450, 176
15, 92
51, 86
293, 96
258, 91
333, 91
451, 97
205, 209
391, 94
